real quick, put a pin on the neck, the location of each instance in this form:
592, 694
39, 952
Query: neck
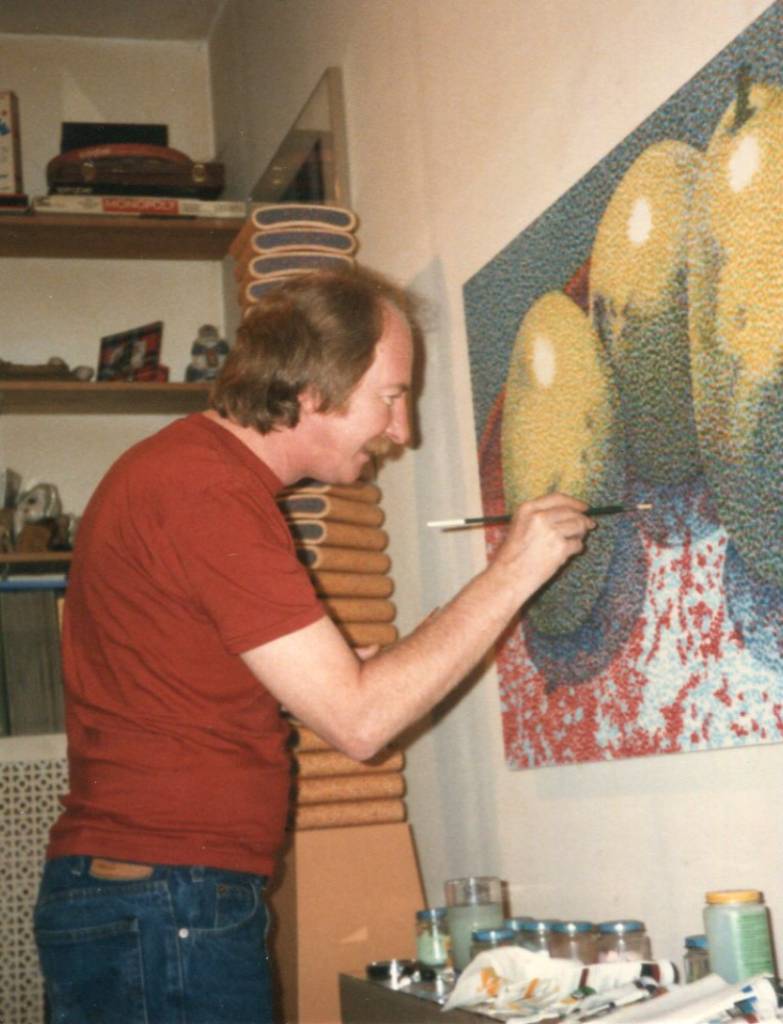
277, 448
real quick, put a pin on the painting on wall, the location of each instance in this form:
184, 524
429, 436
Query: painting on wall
627, 347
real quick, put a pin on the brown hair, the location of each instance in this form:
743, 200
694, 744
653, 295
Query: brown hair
316, 330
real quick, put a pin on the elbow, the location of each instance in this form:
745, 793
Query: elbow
359, 747
360, 740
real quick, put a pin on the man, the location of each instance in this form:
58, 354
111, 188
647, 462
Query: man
190, 621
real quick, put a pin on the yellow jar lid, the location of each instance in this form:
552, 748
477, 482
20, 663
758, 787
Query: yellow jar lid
734, 896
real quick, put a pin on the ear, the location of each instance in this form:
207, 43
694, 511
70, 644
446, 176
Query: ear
309, 400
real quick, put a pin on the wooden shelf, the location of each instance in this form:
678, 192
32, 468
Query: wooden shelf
107, 397
76, 236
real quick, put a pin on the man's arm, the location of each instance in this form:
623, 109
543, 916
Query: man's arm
357, 706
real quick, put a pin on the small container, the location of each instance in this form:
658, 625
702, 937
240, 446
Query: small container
535, 934
516, 924
696, 960
738, 935
433, 942
623, 940
490, 938
472, 902
574, 940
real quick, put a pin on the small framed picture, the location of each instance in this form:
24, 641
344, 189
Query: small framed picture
133, 354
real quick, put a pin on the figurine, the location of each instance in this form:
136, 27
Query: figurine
207, 355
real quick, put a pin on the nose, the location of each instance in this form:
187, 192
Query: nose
399, 428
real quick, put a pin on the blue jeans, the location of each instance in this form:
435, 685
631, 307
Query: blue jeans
187, 945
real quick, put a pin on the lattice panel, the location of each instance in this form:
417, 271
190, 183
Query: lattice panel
29, 792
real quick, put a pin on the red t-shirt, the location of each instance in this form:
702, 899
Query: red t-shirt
176, 752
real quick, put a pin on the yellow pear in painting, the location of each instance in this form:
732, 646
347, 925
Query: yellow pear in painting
638, 290
736, 324
561, 432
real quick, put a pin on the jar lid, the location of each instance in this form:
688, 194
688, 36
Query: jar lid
516, 924
620, 927
431, 914
493, 935
696, 941
540, 925
734, 896
572, 927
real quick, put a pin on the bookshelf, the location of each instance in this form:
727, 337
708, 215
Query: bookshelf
31, 584
105, 397
75, 236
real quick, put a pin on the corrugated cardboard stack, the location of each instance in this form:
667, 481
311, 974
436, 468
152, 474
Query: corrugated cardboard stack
339, 536
281, 240
350, 881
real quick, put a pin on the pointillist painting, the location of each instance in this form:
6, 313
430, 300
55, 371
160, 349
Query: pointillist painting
628, 347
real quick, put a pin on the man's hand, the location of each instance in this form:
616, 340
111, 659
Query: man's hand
544, 534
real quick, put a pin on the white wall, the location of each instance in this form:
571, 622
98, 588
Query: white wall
64, 307
466, 119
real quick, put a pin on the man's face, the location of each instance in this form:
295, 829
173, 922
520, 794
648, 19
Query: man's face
377, 412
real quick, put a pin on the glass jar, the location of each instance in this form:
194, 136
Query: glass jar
574, 940
737, 926
516, 924
696, 960
472, 902
535, 934
433, 942
490, 938
623, 940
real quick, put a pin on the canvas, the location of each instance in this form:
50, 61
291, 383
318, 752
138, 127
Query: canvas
627, 347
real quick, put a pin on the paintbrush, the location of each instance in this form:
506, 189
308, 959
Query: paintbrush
597, 510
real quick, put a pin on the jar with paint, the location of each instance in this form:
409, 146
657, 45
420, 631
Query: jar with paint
696, 961
574, 940
535, 934
484, 939
623, 940
517, 924
736, 922
433, 942
473, 902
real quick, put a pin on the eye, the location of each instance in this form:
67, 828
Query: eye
391, 397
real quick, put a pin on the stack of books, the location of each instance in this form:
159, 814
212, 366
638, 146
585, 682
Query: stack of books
281, 240
31, 692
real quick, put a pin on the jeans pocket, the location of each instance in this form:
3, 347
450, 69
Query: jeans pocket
236, 903
94, 975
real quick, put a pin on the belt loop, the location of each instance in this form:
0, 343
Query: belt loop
79, 865
197, 874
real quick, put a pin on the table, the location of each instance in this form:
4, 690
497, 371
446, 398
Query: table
371, 1002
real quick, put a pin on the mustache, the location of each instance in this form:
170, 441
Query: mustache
379, 446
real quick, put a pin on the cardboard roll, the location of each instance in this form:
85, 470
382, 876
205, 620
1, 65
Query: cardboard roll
304, 740
355, 812
342, 535
352, 584
326, 762
349, 560
326, 506
360, 609
362, 490
276, 216
366, 634
339, 788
